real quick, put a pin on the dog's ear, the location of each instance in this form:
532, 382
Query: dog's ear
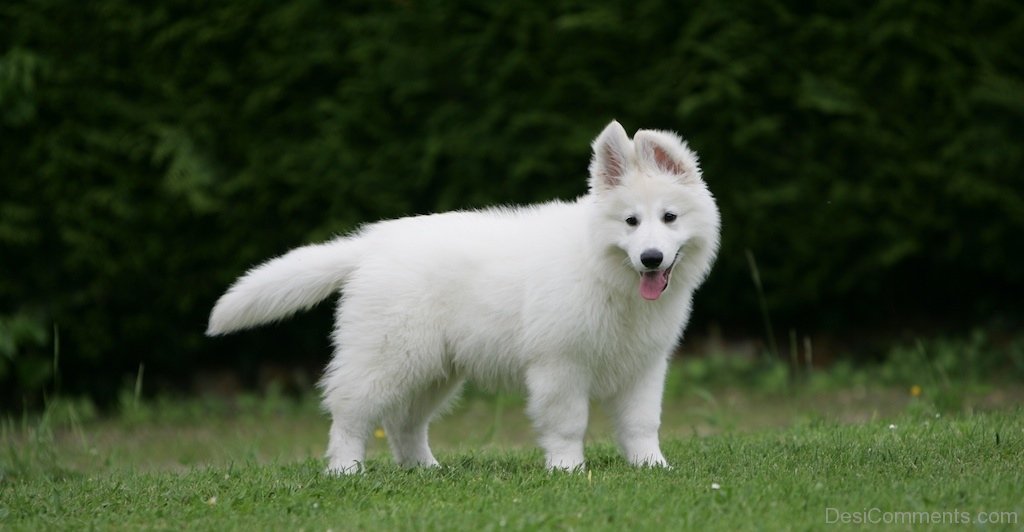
613, 153
665, 152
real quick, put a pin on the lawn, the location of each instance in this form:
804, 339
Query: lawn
744, 459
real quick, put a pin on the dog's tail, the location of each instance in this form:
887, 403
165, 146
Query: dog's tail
285, 285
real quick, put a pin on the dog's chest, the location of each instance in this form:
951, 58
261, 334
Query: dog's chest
633, 333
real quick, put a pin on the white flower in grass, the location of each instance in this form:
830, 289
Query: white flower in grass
716, 486
892, 426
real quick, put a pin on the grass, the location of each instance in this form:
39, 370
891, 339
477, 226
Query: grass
898, 447
743, 461
772, 479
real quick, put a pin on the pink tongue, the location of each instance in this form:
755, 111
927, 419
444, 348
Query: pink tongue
652, 284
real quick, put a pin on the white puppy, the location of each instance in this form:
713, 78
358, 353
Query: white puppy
566, 301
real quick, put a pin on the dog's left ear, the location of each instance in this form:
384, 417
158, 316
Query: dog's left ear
665, 152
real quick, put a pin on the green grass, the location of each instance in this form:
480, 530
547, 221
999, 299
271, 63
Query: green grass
743, 461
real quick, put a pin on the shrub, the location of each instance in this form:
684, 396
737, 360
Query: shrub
869, 155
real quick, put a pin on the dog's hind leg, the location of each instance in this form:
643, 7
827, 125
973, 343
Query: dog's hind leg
367, 386
346, 447
356, 398
406, 428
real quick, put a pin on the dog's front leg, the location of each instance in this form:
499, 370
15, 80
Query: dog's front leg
558, 405
636, 412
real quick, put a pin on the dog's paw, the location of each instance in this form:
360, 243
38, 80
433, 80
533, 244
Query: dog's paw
339, 468
580, 468
420, 464
651, 461
569, 464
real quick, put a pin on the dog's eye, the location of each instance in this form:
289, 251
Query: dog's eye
669, 217
632, 221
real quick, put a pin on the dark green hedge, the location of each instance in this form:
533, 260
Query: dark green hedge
868, 154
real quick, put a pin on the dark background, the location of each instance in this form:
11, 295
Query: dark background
868, 155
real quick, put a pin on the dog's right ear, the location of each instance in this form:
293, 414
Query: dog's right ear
611, 159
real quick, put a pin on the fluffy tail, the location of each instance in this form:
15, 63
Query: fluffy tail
285, 285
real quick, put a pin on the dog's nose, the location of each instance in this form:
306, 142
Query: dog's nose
651, 258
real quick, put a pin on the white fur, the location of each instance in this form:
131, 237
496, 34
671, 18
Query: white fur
542, 298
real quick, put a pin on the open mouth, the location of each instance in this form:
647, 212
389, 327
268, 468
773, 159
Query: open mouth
654, 282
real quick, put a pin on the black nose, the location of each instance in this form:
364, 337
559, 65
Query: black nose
651, 258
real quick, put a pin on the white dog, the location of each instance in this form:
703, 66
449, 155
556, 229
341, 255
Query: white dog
566, 301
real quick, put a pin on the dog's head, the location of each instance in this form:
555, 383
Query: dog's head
654, 206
